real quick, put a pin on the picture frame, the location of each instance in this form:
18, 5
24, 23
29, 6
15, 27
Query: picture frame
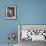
10, 12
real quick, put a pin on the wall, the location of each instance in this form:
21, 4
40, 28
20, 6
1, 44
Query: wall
28, 12
7, 26
33, 12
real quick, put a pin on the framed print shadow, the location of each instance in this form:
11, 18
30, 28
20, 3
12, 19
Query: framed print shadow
10, 12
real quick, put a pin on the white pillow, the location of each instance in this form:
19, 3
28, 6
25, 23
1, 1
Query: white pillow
37, 38
24, 33
41, 32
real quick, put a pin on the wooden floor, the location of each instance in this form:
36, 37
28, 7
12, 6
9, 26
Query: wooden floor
30, 43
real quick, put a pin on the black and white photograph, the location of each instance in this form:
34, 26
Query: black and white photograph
11, 12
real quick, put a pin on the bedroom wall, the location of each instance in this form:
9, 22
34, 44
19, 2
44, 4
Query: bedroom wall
28, 12
33, 12
7, 26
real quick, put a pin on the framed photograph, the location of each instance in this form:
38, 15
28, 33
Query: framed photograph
10, 12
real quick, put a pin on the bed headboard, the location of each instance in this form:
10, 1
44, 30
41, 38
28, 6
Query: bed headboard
42, 27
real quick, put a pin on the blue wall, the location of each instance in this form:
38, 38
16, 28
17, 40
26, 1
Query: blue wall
28, 12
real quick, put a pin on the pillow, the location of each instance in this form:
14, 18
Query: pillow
41, 32
24, 34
